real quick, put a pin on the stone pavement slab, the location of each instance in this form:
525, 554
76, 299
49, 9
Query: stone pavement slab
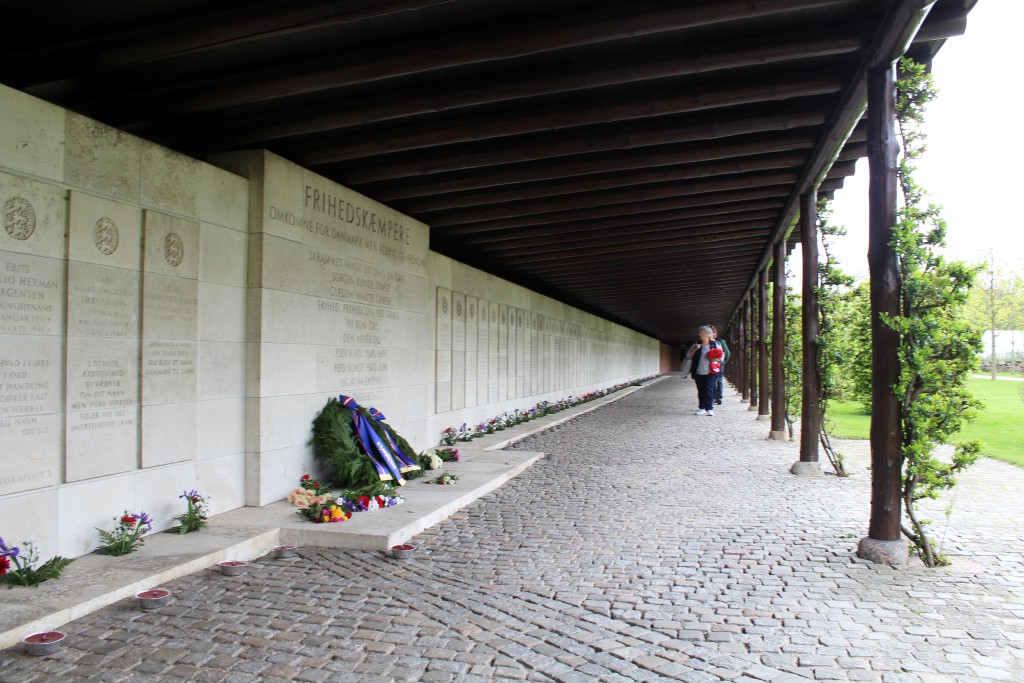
648, 545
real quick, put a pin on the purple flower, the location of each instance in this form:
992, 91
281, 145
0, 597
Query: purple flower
8, 552
143, 518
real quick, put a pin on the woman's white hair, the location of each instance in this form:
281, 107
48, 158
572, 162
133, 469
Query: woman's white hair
704, 328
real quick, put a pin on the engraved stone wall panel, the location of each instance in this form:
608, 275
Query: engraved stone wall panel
102, 159
32, 217
502, 352
32, 295
102, 406
492, 353
520, 353
170, 329
483, 345
443, 336
472, 333
532, 356
513, 352
103, 325
31, 401
458, 350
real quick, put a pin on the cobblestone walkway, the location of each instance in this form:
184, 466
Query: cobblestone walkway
652, 545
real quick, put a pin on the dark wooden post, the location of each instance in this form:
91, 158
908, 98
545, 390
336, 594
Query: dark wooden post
755, 379
778, 432
763, 409
810, 418
883, 542
744, 336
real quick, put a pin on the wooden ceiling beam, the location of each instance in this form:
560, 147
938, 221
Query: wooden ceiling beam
448, 224
567, 143
618, 197
683, 60
616, 251
562, 242
506, 41
605, 182
176, 38
671, 221
575, 114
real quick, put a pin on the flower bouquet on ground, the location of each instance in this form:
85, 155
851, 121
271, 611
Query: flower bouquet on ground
448, 454
127, 535
194, 518
325, 510
444, 479
18, 568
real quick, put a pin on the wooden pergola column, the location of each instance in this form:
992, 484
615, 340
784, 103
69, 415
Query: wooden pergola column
755, 379
744, 340
883, 543
810, 418
778, 432
762, 345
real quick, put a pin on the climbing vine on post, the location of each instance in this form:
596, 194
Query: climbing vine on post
832, 283
938, 347
792, 360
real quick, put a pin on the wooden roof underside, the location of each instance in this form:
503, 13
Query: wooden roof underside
636, 160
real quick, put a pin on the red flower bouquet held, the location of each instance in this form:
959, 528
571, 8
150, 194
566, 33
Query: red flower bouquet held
715, 361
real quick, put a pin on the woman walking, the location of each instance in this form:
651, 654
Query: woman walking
705, 369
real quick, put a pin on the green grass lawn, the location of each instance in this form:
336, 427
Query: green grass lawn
999, 425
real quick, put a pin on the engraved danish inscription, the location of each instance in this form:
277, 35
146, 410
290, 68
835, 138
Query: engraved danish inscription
174, 249
107, 236
19, 218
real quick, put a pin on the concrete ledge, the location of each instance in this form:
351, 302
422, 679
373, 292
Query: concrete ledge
778, 436
94, 581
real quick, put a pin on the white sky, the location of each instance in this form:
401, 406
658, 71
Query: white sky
973, 165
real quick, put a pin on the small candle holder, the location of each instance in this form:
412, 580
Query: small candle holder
232, 568
46, 643
403, 551
283, 551
153, 598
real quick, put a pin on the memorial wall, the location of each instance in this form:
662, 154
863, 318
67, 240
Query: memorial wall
122, 328
169, 324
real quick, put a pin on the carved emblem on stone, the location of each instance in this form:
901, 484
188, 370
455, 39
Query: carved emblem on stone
458, 308
444, 305
174, 249
19, 218
472, 311
502, 318
107, 236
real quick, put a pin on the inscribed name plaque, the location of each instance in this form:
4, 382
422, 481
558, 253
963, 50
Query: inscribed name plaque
458, 350
492, 352
520, 353
483, 342
443, 368
472, 328
102, 400
32, 314
170, 329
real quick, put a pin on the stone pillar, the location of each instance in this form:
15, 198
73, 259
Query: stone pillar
810, 418
778, 432
883, 543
